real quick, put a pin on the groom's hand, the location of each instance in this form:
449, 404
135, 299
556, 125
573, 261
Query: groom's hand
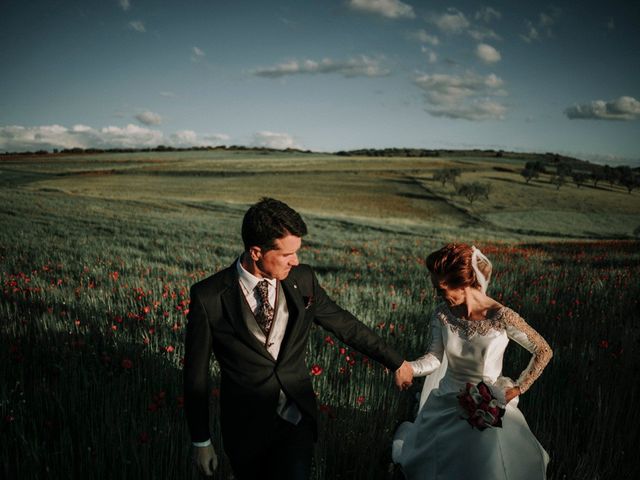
404, 376
205, 459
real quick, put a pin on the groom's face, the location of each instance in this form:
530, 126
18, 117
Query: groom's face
278, 262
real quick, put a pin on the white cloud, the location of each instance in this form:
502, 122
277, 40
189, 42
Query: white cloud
622, 108
216, 138
546, 20
275, 140
480, 34
432, 57
487, 53
451, 22
355, 67
189, 138
455, 22
138, 26
185, 137
197, 55
16, 138
149, 118
487, 14
385, 8
476, 110
167, 94
423, 37
467, 96
531, 33
124, 4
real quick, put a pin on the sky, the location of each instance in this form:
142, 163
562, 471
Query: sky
326, 75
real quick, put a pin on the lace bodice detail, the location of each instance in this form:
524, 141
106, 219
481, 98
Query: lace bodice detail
469, 328
503, 320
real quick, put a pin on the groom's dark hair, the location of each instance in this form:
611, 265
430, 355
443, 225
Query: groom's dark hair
268, 220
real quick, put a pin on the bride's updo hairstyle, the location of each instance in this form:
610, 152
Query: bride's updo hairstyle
452, 266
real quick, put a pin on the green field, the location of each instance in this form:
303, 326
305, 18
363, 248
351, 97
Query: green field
97, 254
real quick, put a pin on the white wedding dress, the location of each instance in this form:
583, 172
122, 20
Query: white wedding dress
440, 444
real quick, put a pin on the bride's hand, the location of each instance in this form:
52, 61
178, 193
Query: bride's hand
404, 376
511, 393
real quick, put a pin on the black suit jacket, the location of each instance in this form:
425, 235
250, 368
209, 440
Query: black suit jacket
250, 378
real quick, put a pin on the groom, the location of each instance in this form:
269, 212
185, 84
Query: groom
256, 316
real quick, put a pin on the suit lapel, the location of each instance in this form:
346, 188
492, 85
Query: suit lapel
231, 300
296, 312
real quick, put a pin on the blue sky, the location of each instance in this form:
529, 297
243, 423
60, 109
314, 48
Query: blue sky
322, 75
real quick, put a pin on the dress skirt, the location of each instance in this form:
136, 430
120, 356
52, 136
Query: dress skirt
441, 445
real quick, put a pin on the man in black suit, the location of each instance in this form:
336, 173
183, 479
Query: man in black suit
255, 316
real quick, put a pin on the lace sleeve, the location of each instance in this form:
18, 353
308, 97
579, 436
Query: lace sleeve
520, 332
430, 361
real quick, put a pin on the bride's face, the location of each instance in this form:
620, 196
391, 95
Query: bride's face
453, 296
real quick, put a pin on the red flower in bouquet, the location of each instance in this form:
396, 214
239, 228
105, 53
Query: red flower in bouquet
481, 408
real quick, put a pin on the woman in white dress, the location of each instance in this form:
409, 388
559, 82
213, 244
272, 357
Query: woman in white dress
470, 332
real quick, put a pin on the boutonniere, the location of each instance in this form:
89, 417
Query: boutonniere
308, 301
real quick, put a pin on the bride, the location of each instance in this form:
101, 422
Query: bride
470, 332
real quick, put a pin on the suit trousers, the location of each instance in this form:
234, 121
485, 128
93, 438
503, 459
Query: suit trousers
286, 454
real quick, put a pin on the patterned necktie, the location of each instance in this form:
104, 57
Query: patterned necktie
264, 313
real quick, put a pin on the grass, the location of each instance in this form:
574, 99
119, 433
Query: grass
395, 189
95, 285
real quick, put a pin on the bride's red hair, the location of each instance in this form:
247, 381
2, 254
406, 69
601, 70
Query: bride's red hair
451, 265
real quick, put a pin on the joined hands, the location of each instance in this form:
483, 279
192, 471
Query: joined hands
404, 376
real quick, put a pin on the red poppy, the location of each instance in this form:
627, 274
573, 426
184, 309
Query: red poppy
126, 364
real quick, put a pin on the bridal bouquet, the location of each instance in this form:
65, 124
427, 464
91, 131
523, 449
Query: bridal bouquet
482, 409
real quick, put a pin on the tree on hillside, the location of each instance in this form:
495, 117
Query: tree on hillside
563, 169
629, 182
579, 178
536, 166
597, 176
558, 181
441, 176
447, 175
473, 191
636, 232
455, 173
486, 191
611, 175
529, 174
